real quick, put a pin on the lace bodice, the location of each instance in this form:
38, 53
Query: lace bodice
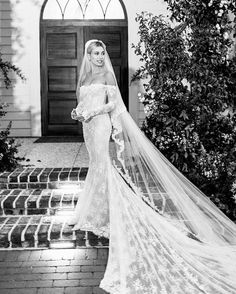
95, 95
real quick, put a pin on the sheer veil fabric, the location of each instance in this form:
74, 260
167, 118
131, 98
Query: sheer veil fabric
165, 235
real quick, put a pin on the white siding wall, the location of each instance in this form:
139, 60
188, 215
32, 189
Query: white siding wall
133, 8
18, 110
16, 96
19, 40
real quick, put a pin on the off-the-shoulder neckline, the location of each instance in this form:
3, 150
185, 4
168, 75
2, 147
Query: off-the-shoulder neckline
97, 84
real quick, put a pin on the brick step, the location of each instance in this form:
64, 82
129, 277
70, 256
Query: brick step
38, 201
39, 231
35, 207
43, 178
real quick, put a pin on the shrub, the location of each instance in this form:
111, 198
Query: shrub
189, 99
8, 148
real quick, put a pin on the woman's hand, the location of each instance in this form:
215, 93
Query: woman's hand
82, 115
73, 114
80, 118
76, 116
88, 116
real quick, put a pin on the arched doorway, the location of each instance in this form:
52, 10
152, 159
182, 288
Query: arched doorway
65, 26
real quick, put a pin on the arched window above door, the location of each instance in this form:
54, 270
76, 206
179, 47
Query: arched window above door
83, 9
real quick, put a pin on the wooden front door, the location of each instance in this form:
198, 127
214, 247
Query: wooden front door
61, 55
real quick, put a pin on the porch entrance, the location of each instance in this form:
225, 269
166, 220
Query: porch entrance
62, 43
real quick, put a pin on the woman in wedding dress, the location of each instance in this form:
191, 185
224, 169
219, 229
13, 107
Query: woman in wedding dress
165, 236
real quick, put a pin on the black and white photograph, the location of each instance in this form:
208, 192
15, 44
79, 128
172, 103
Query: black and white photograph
117, 147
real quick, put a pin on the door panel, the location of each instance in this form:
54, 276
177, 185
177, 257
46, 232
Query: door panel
58, 111
61, 45
61, 56
60, 60
62, 79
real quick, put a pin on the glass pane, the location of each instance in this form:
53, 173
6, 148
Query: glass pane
52, 10
115, 10
73, 10
84, 4
62, 4
94, 10
104, 4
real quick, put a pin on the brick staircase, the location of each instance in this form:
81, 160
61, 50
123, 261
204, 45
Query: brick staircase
35, 205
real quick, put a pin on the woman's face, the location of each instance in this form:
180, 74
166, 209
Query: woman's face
97, 56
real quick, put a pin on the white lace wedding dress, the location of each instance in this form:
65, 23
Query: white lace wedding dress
148, 254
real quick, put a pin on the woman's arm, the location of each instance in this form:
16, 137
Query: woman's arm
76, 113
111, 95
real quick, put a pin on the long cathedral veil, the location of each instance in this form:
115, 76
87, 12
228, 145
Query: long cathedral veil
154, 179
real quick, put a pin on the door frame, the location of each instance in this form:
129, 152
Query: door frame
46, 23
76, 23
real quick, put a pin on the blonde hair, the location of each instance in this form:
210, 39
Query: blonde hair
94, 44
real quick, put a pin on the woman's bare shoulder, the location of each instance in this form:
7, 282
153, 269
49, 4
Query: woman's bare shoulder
109, 78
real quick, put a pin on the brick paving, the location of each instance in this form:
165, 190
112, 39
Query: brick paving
66, 271
35, 205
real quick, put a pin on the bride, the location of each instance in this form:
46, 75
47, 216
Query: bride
165, 236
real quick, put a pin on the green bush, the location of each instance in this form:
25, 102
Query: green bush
190, 95
8, 151
8, 147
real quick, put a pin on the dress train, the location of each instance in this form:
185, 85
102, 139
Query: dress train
148, 252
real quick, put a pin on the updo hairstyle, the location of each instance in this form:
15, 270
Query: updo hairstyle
95, 44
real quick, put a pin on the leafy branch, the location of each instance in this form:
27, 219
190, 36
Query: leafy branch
6, 67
